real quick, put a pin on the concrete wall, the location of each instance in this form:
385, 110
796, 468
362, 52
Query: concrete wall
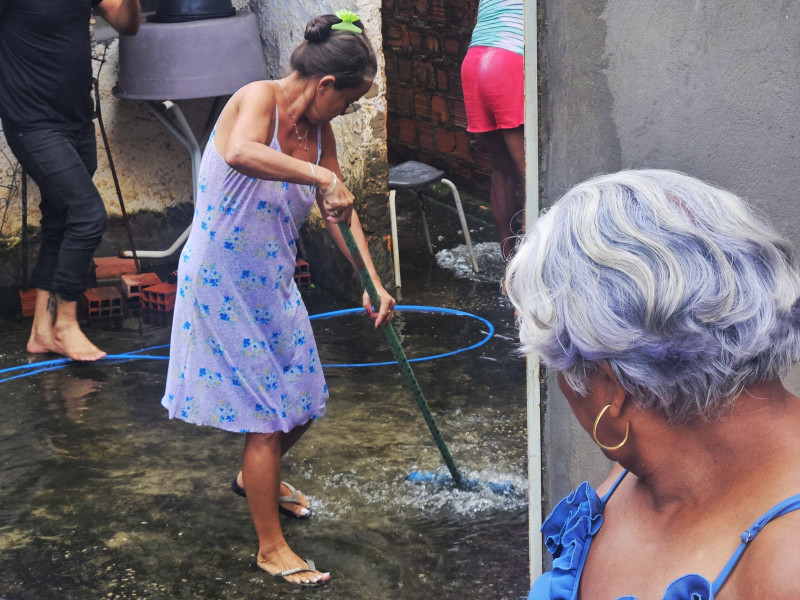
710, 88
154, 168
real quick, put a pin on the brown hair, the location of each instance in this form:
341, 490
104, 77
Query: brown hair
347, 56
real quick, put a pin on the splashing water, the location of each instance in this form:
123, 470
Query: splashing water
487, 254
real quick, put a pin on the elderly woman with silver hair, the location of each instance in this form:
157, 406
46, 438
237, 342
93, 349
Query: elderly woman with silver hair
671, 313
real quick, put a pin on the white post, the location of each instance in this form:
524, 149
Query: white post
531, 214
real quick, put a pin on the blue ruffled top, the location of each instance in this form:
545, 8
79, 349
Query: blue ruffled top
570, 528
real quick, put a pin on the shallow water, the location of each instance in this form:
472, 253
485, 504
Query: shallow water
101, 496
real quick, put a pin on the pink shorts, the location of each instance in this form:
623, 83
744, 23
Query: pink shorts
494, 89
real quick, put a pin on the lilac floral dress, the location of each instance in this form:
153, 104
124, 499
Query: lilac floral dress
242, 354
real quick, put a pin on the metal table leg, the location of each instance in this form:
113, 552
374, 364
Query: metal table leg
464, 227
395, 240
181, 130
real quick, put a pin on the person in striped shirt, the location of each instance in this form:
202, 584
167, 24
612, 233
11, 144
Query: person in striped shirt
492, 77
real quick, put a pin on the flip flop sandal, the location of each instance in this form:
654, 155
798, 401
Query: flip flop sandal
293, 499
310, 567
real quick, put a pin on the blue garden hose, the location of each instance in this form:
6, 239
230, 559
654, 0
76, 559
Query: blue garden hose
45, 366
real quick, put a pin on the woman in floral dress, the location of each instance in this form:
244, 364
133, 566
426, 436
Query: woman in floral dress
243, 356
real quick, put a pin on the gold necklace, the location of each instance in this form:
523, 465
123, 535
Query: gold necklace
300, 138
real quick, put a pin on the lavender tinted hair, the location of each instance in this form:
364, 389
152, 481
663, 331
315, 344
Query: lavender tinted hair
683, 290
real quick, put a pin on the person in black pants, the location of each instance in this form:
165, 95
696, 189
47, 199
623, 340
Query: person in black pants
46, 114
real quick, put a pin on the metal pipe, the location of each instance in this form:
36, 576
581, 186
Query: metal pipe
531, 215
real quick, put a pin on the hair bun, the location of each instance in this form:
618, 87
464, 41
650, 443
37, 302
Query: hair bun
318, 28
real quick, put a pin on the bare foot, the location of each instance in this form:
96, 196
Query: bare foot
41, 339
283, 560
70, 341
40, 342
300, 508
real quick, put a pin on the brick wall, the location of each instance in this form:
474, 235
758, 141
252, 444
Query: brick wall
424, 42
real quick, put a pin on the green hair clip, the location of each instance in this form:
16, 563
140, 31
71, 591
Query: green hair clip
348, 19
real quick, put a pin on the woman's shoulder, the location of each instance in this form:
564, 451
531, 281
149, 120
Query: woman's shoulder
770, 565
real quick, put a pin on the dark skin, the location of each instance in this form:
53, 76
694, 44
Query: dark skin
506, 148
691, 491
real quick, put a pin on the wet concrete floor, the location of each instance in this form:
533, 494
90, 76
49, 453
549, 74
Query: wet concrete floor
103, 497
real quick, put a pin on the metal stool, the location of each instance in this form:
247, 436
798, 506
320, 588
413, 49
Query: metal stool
414, 176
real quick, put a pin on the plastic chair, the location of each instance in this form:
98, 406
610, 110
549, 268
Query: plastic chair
413, 175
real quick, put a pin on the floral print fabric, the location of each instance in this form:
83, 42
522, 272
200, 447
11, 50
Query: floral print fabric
242, 354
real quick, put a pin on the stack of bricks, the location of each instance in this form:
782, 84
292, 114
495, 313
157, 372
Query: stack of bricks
424, 43
302, 274
134, 284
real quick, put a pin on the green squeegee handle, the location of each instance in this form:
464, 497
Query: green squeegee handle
400, 356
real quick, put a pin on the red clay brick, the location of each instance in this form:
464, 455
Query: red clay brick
463, 150
415, 40
111, 267
404, 68
27, 299
426, 131
302, 274
437, 11
459, 116
103, 301
395, 35
392, 128
439, 110
441, 80
445, 141
422, 74
408, 130
452, 45
133, 284
405, 8
401, 100
432, 43
160, 297
422, 105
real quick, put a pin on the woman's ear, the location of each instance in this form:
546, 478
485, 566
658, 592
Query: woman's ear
325, 84
614, 392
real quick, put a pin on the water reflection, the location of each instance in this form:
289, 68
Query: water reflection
102, 497
70, 391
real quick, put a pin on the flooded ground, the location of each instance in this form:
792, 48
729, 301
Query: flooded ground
103, 497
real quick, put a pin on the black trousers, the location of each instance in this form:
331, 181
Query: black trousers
73, 214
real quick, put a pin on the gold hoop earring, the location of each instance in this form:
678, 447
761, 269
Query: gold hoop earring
594, 432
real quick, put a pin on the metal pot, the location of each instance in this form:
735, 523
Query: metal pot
176, 11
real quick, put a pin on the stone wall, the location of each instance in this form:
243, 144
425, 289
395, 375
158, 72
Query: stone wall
424, 44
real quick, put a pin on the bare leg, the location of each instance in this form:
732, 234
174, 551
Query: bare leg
507, 150
287, 441
261, 467
56, 329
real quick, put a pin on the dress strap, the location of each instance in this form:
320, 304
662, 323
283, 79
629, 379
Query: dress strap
780, 509
614, 487
319, 143
277, 122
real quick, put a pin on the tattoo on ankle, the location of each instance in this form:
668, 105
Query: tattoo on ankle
52, 305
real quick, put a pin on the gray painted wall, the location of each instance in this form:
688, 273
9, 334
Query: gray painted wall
708, 87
